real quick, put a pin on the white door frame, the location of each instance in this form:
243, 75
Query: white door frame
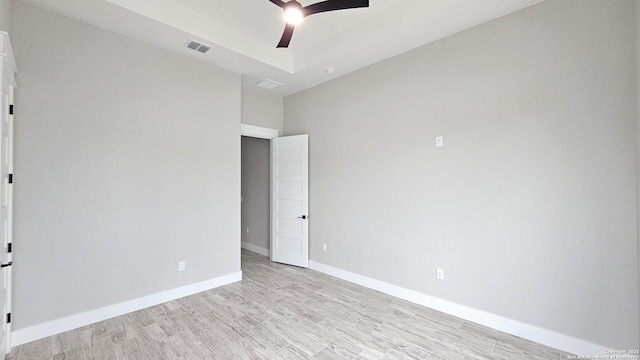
259, 132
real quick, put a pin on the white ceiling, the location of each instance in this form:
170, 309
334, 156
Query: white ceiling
243, 33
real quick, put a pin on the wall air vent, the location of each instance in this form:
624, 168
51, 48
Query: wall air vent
194, 45
268, 84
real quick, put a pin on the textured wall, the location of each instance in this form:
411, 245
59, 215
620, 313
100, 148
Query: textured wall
530, 207
262, 109
128, 160
6, 16
636, 14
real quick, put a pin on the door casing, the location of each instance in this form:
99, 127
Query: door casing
268, 133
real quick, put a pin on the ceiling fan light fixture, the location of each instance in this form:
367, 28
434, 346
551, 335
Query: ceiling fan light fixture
293, 16
293, 13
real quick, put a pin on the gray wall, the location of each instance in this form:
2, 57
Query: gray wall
6, 16
262, 109
126, 162
636, 14
256, 191
530, 207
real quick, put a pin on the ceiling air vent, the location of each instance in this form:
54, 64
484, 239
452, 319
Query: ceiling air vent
194, 45
268, 84
203, 48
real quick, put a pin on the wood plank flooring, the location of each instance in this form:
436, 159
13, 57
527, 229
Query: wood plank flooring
283, 312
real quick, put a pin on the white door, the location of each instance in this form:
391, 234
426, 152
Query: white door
290, 200
7, 69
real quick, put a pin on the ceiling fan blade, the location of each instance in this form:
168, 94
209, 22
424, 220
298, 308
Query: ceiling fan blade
278, 2
286, 36
331, 5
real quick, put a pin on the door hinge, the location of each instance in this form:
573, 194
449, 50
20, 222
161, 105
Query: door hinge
10, 178
10, 247
10, 109
9, 318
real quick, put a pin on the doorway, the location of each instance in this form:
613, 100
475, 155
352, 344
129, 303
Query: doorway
255, 194
255, 154
275, 195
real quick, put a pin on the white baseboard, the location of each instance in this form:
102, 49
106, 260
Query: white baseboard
517, 328
255, 248
35, 332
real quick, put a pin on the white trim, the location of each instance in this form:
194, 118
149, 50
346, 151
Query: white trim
6, 52
258, 131
526, 331
255, 248
57, 326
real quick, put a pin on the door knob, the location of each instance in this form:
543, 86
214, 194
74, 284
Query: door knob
302, 217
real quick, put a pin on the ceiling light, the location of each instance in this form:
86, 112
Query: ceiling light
293, 13
329, 71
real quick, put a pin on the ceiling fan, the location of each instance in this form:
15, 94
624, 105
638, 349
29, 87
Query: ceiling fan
294, 12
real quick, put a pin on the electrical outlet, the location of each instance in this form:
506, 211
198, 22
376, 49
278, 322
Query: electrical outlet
182, 265
247, 230
324, 246
440, 274
439, 141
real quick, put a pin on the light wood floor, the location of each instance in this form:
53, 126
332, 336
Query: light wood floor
282, 312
